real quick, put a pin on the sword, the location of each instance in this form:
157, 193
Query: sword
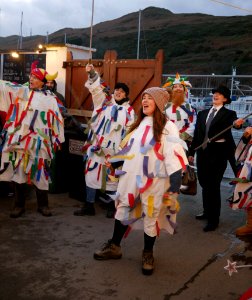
218, 134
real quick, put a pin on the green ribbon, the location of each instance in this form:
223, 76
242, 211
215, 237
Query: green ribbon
178, 115
42, 116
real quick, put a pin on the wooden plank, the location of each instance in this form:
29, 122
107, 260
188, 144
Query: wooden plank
68, 86
159, 67
138, 74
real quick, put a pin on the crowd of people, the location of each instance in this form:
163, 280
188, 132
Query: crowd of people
134, 159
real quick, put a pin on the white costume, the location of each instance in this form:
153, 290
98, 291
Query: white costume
242, 197
184, 117
34, 129
108, 127
144, 177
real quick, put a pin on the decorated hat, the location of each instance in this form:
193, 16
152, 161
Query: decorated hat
123, 86
41, 74
159, 95
170, 82
225, 91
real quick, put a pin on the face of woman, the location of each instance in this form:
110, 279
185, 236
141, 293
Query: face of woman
148, 104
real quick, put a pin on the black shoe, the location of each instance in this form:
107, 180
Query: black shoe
17, 212
111, 210
79, 212
87, 210
110, 213
45, 211
210, 227
201, 216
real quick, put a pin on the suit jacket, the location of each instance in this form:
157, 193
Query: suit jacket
223, 119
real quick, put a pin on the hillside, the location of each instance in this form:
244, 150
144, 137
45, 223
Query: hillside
193, 43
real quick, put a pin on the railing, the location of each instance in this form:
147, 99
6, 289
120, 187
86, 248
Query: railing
202, 85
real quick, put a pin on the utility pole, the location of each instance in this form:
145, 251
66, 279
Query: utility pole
47, 37
21, 33
0, 20
139, 30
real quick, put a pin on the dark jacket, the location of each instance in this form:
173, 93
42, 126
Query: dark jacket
223, 119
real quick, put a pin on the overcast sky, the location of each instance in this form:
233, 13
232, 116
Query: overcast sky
40, 17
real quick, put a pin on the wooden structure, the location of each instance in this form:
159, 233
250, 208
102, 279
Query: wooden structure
138, 74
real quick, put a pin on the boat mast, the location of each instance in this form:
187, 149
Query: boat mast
232, 80
139, 30
21, 32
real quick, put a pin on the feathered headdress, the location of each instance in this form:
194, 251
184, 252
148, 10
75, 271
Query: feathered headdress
41, 74
177, 80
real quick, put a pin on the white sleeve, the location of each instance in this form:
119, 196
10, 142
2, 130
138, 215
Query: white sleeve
190, 129
96, 90
173, 151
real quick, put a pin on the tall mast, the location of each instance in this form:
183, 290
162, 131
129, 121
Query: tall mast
0, 20
21, 32
139, 30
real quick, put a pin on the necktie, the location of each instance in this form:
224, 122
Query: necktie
208, 123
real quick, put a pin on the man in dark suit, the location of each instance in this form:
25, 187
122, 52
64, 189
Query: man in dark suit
212, 157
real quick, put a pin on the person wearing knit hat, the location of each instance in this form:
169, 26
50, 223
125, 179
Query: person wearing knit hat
111, 118
178, 110
159, 95
34, 130
152, 158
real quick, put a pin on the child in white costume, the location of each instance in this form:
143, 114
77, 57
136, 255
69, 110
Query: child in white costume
153, 161
111, 117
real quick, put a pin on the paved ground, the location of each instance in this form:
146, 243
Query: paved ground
51, 258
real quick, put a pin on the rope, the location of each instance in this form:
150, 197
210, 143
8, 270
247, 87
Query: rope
236, 7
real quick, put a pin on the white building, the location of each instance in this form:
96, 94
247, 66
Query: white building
55, 55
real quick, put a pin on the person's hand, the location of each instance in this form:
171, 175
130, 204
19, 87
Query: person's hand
239, 122
170, 200
190, 159
247, 132
89, 68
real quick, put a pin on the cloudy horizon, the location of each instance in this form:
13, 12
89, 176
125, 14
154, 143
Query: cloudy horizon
42, 19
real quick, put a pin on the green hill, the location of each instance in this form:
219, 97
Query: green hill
193, 43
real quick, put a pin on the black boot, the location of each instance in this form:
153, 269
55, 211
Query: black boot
79, 212
19, 202
42, 200
111, 210
87, 210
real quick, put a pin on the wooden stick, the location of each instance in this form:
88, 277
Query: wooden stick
218, 134
91, 34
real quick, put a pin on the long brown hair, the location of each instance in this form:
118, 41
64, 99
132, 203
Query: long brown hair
159, 121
